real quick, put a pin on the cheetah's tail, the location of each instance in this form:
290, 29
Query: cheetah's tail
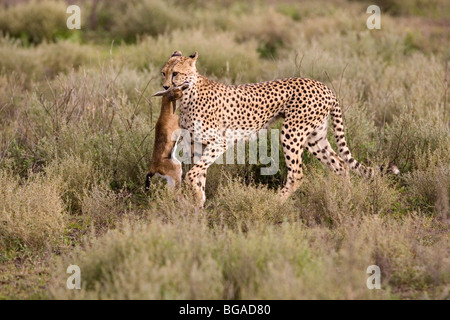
344, 151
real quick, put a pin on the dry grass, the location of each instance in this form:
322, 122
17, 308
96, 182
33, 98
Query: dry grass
32, 214
187, 259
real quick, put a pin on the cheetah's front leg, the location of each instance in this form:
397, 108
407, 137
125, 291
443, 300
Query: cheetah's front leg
196, 177
293, 150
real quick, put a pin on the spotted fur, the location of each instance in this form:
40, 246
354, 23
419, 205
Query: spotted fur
305, 105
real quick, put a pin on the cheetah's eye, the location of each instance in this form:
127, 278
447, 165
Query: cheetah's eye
174, 74
163, 74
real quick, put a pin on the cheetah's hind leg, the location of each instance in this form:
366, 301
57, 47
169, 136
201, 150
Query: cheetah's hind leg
319, 146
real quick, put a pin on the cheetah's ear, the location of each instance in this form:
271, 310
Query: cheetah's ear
176, 54
193, 57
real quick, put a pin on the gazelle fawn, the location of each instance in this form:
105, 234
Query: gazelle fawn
164, 164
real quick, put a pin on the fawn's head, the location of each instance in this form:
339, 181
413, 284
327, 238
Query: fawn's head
173, 93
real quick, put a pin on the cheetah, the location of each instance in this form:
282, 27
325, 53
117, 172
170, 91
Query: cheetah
212, 109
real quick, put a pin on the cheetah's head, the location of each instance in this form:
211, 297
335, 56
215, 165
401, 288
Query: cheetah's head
179, 69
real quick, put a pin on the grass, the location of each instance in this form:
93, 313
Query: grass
76, 137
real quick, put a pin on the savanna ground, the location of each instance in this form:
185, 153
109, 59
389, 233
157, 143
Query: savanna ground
76, 136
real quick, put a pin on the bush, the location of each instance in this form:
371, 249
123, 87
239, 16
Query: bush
434, 8
102, 208
35, 21
184, 259
271, 30
430, 188
31, 214
243, 207
412, 139
220, 56
343, 198
146, 263
147, 17
44, 61
77, 176
174, 263
91, 117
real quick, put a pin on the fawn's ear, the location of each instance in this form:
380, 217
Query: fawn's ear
176, 53
160, 93
184, 86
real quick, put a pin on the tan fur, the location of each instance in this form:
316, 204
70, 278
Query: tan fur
165, 138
